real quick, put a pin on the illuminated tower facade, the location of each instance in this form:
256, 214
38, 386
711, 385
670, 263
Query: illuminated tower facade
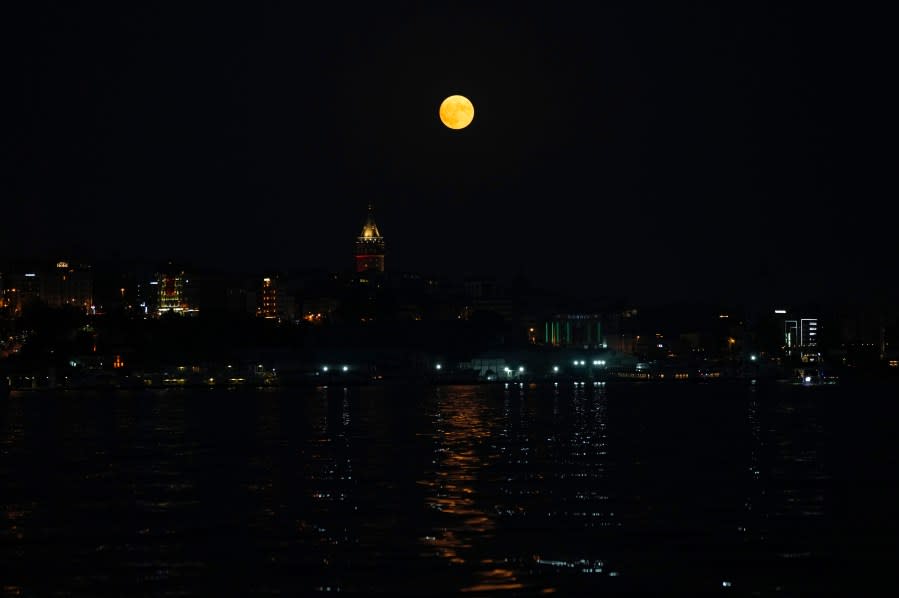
173, 296
171, 292
370, 246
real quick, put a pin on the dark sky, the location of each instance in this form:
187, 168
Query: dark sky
646, 150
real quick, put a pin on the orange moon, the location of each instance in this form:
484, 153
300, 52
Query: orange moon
456, 112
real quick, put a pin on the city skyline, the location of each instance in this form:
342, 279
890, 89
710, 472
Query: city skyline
425, 298
369, 253
682, 153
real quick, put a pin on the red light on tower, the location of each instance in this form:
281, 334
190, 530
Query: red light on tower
370, 246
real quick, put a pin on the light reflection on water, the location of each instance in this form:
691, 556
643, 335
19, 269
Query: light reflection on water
417, 489
463, 427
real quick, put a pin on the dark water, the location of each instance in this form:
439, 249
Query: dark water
731, 489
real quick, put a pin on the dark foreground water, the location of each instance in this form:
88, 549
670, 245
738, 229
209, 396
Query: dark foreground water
723, 488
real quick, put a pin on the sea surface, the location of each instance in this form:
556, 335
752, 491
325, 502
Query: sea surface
733, 489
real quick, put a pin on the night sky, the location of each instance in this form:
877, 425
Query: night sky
643, 151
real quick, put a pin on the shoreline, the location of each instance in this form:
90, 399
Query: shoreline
530, 384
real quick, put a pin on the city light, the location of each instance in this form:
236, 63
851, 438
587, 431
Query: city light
680, 467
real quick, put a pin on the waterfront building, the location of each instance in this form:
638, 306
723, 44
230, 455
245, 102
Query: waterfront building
574, 330
800, 335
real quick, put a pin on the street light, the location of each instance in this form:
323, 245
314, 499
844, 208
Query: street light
438, 366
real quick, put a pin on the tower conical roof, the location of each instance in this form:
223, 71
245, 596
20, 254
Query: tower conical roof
370, 229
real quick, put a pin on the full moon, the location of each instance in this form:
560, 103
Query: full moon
456, 112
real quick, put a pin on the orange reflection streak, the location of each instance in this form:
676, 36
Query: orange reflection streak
496, 579
462, 428
493, 587
463, 432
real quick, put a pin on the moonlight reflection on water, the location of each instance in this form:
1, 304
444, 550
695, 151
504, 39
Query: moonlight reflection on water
472, 488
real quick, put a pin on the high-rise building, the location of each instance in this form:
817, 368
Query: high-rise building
808, 332
267, 301
370, 246
62, 286
274, 300
800, 335
173, 293
68, 285
791, 334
